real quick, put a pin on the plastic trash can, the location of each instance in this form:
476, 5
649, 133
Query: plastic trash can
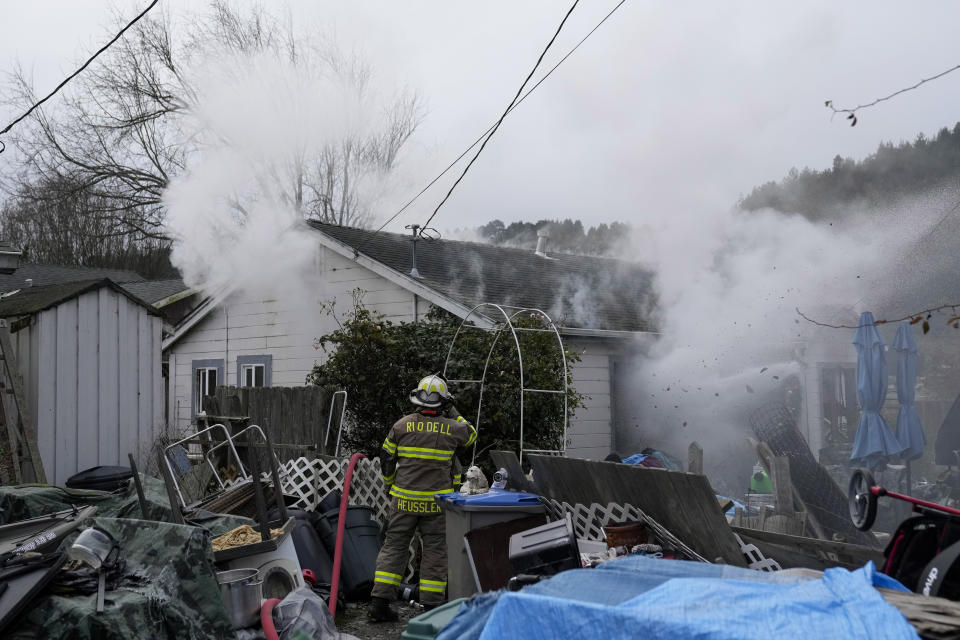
466, 513
361, 545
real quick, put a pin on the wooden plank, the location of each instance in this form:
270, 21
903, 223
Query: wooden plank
695, 458
797, 551
128, 405
782, 485
671, 498
32, 469
66, 402
88, 381
276, 412
14, 436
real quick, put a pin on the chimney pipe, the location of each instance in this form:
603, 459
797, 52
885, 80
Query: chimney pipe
415, 228
542, 237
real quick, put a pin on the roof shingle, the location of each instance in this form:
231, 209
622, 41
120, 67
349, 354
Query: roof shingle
576, 291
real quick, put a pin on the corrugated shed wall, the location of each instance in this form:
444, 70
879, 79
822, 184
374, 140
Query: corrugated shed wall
91, 371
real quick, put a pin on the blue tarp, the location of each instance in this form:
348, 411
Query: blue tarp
909, 430
874, 441
643, 597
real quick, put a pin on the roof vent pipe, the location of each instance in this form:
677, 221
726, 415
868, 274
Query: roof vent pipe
416, 235
542, 237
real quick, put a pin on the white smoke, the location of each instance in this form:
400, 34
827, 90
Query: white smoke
260, 122
729, 286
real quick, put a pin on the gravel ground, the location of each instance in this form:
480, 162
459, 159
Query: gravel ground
354, 621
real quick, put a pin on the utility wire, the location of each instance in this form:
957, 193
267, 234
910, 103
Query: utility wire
498, 123
76, 73
481, 136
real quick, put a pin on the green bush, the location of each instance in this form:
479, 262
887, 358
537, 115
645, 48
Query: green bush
378, 362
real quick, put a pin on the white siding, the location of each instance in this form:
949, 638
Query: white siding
91, 367
590, 434
284, 325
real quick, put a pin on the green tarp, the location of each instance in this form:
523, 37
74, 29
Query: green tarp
168, 587
168, 590
32, 500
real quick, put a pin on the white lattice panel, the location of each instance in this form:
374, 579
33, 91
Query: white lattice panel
589, 520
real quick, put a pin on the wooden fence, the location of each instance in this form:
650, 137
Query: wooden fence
296, 418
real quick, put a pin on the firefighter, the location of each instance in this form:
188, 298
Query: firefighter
419, 459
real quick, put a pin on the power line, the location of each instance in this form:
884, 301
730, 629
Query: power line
481, 136
77, 72
510, 106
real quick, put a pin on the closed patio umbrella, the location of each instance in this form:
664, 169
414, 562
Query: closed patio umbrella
909, 430
875, 442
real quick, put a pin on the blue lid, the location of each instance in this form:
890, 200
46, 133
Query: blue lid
493, 498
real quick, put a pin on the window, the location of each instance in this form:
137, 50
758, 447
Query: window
251, 375
206, 385
254, 371
207, 374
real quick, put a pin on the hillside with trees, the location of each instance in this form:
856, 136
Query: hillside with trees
566, 236
890, 173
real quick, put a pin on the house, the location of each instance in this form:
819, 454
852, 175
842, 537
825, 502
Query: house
88, 353
240, 338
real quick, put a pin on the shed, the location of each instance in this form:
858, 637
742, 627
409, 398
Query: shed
88, 353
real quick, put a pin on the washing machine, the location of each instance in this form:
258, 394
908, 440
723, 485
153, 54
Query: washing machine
275, 559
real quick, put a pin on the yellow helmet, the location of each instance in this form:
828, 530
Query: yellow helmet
432, 392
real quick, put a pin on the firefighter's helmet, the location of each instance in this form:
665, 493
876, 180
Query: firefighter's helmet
432, 392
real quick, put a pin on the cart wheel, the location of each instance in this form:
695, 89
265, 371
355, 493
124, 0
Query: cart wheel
862, 502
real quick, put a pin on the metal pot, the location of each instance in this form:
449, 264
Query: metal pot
241, 590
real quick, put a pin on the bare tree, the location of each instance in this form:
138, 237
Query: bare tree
118, 136
70, 231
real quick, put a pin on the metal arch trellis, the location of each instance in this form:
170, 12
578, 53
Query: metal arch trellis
498, 327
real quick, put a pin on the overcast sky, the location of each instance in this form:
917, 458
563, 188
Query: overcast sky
669, 107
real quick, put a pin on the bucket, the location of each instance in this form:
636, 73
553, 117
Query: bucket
361, 544
241, 590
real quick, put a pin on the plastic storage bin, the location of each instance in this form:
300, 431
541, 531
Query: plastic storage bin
466, 513
427, 625
546, 550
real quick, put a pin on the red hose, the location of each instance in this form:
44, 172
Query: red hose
266, 618
341, 524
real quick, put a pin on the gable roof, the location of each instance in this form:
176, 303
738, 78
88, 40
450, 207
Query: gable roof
31, 300
159, 292
580, 292
47, 274
585, 295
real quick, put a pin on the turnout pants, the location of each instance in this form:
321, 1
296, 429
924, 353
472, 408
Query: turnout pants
407, 517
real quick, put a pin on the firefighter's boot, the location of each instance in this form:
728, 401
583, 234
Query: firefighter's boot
380, 611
